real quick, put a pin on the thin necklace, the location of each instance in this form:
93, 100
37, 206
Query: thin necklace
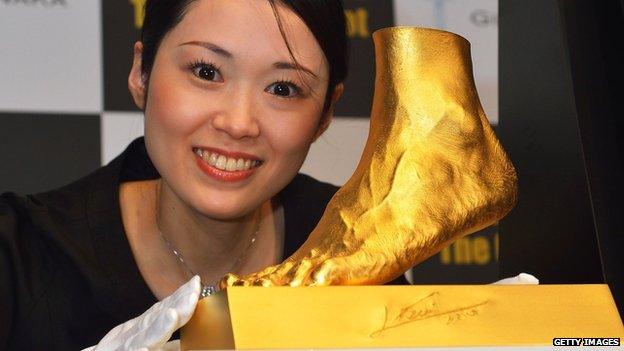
209, 289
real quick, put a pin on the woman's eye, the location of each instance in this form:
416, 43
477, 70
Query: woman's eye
207, 72
283, 89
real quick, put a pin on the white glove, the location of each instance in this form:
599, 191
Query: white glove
152, 329
520, 279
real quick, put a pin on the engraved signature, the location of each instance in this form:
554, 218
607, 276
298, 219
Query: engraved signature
426, 308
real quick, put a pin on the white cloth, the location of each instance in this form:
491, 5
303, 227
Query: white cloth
520, 279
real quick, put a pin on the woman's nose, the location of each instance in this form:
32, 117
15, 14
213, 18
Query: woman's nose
238, 119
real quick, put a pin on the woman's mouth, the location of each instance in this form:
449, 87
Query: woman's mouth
225, 167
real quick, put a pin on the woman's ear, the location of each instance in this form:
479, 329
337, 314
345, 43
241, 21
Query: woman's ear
329, 115
137, 83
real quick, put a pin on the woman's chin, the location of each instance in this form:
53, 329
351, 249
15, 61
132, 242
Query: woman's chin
225, 212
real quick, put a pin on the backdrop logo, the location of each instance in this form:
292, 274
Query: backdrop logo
483, 18
44, 3
357, 22
473, 250
139, 12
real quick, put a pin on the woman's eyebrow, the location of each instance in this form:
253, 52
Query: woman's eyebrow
290, 65
210, 46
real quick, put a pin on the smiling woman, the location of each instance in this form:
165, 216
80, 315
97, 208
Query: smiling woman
234, 92
229, 119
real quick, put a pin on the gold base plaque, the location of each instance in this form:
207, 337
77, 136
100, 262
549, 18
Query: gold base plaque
401, 316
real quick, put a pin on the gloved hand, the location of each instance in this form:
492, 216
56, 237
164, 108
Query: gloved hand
152, 329
520, 279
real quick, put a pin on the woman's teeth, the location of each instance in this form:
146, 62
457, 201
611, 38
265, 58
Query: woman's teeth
226, 163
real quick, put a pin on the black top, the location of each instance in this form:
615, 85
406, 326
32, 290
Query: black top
67, 274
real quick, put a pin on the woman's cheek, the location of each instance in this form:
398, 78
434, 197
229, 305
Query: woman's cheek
177, 111
294, 130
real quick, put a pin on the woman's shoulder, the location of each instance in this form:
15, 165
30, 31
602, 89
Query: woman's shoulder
304, 200
73, 201
306, 197
69, 201
37, 226
11, 206
305, 186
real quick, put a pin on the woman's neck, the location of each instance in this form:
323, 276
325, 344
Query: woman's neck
208, 246
207, 254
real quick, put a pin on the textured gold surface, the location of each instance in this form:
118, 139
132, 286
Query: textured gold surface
402, 316
432, 171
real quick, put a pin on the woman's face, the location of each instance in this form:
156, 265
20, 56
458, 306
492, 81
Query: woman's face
223, 86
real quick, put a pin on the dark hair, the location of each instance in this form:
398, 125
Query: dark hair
324, 18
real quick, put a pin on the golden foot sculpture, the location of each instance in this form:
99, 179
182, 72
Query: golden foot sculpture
432, 171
